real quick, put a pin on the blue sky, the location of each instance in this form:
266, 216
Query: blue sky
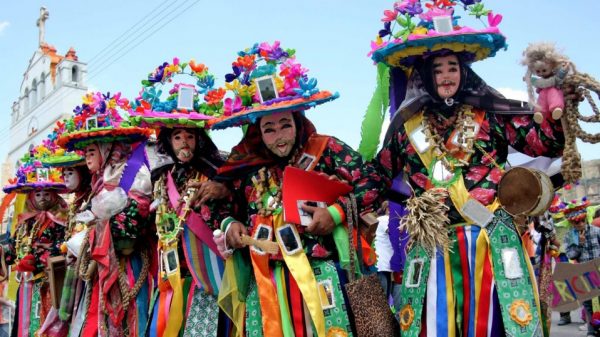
331, 38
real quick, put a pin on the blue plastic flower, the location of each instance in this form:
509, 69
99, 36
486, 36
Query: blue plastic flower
308, 87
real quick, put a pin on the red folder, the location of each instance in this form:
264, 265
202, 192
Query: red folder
300, 185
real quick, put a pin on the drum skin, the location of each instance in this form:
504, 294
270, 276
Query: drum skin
520, 191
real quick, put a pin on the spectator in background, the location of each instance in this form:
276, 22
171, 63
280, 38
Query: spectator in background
596, 221
582, 244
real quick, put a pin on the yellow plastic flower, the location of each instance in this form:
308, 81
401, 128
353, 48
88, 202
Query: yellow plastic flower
55, 176
420, 31
278, 83
87, 99
171, 68
378, 40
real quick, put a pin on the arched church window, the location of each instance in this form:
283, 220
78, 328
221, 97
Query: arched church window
42, 87
33, 94
75, 74
26, 101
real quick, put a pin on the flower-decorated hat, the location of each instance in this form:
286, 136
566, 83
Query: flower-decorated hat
98, 120
50, 154
184, 106
33, 175
412, 31
266, 79
576, 210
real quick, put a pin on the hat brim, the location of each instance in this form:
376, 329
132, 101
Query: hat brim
83, 138
63, 161
479, 44
250, 115
28, 187
158, 119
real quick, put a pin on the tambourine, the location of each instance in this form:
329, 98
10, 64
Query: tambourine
525, 191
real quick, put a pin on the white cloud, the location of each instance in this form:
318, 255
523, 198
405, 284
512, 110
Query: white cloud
514, 93
3, 26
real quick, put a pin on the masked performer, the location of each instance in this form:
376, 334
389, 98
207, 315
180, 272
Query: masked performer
37, 237
299, 290
115, 257
191, 267
77, 180
466, 272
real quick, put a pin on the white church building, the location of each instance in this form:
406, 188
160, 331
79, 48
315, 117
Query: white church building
53, 84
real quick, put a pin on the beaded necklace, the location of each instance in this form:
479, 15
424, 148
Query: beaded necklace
446, 168
264, 185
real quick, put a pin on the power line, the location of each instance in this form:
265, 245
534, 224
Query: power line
137, 27
127, 48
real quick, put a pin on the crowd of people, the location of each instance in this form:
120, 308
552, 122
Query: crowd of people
195, 241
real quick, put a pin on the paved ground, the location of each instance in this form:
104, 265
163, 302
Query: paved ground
571, 330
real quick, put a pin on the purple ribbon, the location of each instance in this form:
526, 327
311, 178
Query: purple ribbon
134, 163
398, 238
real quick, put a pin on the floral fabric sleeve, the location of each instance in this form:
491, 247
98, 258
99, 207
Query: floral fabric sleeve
342, 161
389, 162
130, 224
214, 211
526, 136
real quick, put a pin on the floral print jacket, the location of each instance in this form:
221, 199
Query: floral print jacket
45, 245
338, 159
481, 176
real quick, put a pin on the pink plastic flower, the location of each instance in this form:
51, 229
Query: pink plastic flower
389, 15
434, 12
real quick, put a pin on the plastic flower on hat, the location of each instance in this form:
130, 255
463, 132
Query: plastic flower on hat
267, 60
149, 98
410, 7
409, 28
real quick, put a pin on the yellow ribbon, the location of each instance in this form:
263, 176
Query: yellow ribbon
229, 299
176, 308
305, 278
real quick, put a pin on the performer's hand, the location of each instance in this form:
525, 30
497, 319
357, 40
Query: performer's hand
322, 222
234, 234
208, 190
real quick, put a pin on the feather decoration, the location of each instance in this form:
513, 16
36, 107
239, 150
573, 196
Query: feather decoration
374, 116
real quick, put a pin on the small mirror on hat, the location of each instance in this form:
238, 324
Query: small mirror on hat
91, 123
266, 88
185, 98
42, 174
442, 24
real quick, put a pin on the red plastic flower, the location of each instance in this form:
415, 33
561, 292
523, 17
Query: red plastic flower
246, 61
214, 96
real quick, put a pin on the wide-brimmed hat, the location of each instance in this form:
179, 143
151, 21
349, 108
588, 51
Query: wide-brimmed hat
101, 118
49, 153
32, 175
186, 105
267, 79
576, 210
412, 31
